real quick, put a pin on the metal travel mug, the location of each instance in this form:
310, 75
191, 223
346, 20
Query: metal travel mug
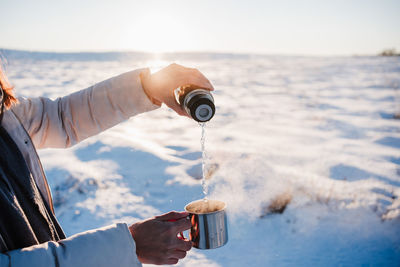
209, 223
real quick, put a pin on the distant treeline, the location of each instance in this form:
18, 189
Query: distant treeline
389, 53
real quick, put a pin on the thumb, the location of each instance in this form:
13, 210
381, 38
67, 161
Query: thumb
172, 216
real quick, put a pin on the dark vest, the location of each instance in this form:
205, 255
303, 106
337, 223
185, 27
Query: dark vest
25, 218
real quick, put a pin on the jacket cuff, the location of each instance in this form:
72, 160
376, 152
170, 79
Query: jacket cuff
130, 241
142, 74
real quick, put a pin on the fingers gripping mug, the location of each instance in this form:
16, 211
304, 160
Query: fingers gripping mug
209, 223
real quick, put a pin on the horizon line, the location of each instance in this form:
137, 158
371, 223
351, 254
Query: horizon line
187, 52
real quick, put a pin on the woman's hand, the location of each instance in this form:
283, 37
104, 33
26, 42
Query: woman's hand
160, 86
157, 240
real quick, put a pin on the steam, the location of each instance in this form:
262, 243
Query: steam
246, 184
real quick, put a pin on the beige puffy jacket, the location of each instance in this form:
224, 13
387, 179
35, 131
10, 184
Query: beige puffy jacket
43, 123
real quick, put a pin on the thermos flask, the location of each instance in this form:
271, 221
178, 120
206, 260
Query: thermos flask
197, 102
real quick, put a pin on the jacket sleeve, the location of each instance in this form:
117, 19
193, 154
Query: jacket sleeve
70, 119
104, 247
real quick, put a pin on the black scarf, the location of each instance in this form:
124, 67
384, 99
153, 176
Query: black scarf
25, 218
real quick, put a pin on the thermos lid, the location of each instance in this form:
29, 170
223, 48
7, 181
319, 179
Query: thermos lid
201, 107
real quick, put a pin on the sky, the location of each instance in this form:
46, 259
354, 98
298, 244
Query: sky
296, 27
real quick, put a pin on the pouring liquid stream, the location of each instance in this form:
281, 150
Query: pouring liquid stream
204, 183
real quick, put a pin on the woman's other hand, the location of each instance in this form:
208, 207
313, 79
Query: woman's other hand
160, 86
157, 240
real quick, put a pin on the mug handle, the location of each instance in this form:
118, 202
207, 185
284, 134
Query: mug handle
180, 234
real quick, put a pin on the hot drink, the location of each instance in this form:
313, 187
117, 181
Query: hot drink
205, 206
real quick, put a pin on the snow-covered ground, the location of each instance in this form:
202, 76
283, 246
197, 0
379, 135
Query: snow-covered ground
319, 131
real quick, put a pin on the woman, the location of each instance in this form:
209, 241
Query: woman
30, 234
